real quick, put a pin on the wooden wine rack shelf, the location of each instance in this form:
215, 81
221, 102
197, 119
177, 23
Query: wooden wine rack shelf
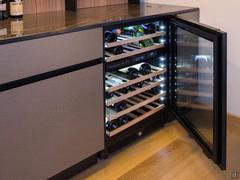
127, 53
121, 96
156, 71
136, 119
133, 105
125, 39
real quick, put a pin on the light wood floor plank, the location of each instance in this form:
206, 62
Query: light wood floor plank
179, 160
166, 154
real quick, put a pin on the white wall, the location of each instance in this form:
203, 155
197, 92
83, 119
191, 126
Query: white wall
223, 14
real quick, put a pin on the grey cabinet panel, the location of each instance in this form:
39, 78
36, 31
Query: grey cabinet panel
27, 58
51, 125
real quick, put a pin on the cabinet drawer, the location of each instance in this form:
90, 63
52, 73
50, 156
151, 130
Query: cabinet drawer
51, 125
27, 58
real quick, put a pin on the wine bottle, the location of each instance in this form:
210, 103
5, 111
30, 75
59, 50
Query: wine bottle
124, 90
139, 84
123, 120
149, 28
115, 50
111, 125
113, 81
145, 69
117, 31
146, 43
110, 37
3, 9
155, 90
136, 31
135, 86
109, 95
152, 79
131, 72
120, 106
16, 8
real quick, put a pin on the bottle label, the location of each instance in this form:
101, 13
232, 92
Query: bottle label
16, 8
3, 7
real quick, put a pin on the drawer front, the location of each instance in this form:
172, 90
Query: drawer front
27, 58
51, 125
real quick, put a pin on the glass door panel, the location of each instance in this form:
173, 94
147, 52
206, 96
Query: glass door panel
199, 84
194, 82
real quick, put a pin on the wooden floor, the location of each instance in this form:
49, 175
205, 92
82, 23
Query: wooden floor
166, 154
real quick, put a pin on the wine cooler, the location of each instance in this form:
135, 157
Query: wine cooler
164, 68
135, 78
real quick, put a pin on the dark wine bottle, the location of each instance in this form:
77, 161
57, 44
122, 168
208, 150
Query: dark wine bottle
115, 50
109, 95
145, 69
110, 37
135, 86
149, 28
3, 9
124, 90
156, 90
131, 72
16, 8
111, 125
120, 106
152, 79
140, 84
123, 120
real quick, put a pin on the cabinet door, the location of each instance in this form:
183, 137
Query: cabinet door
199, 84
23, 59
51, 125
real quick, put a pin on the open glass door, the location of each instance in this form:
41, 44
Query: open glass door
199, 84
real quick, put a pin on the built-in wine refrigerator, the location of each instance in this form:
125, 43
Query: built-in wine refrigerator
162, 69
135, 77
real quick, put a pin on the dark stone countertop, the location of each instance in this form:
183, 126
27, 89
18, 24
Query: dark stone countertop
53, 23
